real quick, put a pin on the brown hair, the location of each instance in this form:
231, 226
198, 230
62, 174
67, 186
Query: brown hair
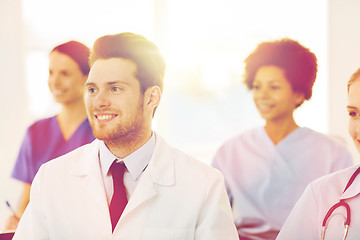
78, 52
355, 76
144, 53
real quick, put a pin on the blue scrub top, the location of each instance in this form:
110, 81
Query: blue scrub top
44, 141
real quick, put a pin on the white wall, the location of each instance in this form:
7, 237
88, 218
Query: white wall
13, 98
343, 60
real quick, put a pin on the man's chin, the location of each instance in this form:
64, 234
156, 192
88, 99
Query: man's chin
108, 136
102, 136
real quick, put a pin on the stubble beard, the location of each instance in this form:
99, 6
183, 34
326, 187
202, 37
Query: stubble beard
125, 131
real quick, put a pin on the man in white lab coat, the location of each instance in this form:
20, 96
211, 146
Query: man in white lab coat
169, 194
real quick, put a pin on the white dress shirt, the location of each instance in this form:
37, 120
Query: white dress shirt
135, 164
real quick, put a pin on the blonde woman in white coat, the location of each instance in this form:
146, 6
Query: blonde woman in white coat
329, 208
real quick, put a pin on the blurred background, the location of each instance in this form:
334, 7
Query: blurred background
204, 44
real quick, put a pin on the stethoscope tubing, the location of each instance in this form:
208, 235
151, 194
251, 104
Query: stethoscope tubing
341, 203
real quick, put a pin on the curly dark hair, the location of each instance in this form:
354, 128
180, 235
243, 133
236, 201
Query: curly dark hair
297, 61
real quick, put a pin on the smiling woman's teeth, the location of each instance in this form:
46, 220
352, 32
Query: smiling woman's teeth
263, 105
57, 92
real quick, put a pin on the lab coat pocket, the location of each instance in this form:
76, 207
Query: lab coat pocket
168, 233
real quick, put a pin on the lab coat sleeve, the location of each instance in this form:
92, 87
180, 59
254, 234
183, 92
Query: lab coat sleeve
215, 219
302, 223
219, 162
32, 225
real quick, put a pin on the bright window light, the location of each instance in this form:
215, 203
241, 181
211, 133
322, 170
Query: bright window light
204, 43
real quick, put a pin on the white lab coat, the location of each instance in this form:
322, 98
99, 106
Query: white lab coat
177, 197
305, 220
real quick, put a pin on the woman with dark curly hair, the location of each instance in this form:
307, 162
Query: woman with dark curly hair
266, 169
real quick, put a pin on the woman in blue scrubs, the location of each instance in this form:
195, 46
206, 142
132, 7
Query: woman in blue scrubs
52, 137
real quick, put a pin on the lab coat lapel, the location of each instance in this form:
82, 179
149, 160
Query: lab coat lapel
160, 171
354, 188
89, 170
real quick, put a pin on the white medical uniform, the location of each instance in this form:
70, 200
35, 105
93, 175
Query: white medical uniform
305, 220
264, 180
177, 197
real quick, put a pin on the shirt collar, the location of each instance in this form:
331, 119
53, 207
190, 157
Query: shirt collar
135, 163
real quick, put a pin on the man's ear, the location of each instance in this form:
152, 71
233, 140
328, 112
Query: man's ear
152, 97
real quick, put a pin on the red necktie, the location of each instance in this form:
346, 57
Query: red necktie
119, 199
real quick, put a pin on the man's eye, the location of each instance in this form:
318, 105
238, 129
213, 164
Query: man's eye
91, 90
115, 89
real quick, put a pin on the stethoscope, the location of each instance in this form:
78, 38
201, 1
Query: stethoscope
339, 204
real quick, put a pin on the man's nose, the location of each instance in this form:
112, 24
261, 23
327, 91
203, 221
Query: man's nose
101, 99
